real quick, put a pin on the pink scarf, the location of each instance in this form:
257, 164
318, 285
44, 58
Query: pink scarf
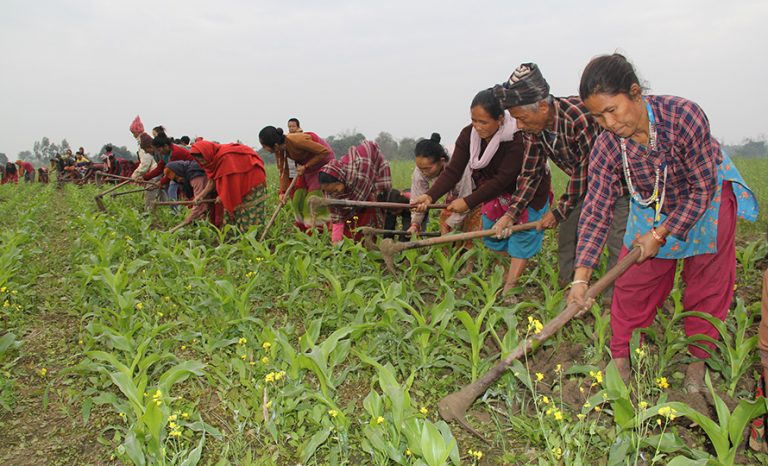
506, 132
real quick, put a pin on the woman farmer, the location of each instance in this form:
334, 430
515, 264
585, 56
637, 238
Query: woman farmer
685, 196
431, 161
26, 169
361, 175
310, 153
11, 174
236, 172
192, 179
492, 148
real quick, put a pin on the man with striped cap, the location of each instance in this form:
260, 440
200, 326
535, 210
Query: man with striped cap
559, 129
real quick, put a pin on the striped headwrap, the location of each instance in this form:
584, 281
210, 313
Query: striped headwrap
525, 86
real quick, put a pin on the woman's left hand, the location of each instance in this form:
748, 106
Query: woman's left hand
458, 206
300, 169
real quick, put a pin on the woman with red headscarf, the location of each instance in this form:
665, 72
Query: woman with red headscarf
237, 173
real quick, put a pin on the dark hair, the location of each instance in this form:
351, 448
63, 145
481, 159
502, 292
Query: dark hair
269, 136
296, 120
161, 140
325, 178
185, 140
108, 148
607, 74
431, 149
159, 129
489, 102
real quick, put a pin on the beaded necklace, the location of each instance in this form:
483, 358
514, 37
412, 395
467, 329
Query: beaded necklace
657, 196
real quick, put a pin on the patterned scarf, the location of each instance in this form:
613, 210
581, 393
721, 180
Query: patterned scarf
525, 86
364, 172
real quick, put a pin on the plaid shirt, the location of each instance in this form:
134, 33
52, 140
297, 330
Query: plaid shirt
364, 172
568, 145
692, 156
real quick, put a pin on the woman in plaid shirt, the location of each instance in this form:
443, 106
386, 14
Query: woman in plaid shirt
685, 197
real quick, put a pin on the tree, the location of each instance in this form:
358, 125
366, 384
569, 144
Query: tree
25, 155
120, 152
3, 158
341, 142
407, 147
387, 145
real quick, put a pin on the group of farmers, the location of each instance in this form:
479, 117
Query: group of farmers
644, 172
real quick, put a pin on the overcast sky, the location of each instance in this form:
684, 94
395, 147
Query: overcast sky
82, 70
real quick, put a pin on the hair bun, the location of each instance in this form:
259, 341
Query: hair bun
280, 131
435, 137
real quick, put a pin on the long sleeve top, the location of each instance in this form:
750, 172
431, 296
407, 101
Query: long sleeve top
300, 148
146, 163
691, 154
177, 153
568, 145
498, 177
420, 185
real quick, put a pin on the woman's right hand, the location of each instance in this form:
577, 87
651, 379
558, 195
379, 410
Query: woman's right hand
578, 296
413, 230
502, 227
420, 203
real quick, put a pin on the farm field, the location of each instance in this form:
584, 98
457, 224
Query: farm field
123, 344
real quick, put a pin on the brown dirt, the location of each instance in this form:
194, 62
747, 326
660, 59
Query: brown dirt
34, 433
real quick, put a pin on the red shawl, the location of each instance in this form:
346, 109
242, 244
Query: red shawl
236, 168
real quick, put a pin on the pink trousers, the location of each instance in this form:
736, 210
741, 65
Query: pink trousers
708, 278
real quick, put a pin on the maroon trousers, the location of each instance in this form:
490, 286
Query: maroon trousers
708, 278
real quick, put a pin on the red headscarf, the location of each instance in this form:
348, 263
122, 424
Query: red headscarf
236, 168
137, 127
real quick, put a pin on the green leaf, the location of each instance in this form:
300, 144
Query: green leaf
194, 456
432, 446
314, 443
133, 449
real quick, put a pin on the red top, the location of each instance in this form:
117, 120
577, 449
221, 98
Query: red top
177, 153
26, 166
236, 168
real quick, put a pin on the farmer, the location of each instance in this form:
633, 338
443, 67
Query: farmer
493, 149
310, 153
165, 151
431, 161
559, 129
685, 196
192, 180
42, 175
360, 175
146, 161
11, 174
237, 174
26, 169
294, 126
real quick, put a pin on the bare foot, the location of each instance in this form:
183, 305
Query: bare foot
622, 364
694, 377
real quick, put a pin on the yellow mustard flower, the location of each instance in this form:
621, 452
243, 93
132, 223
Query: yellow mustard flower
662, 383
539, 376
333, 413
424, 410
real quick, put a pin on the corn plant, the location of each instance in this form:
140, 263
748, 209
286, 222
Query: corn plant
735, 354
725, 434
397, 432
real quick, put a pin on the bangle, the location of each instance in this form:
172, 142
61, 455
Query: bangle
579, 282
662, 241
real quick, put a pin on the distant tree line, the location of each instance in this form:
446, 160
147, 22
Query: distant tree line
748, 148
392, 148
